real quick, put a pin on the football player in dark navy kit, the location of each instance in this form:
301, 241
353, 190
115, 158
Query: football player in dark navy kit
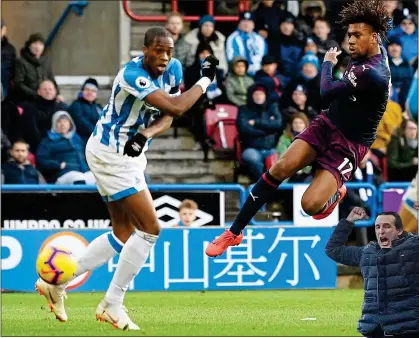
338, 139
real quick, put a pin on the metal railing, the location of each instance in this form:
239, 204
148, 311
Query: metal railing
243, 6
153, 187
376, 197
75, 6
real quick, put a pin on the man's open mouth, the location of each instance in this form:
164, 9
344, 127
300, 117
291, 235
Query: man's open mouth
384, 241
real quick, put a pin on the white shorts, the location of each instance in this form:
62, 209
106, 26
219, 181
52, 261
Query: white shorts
117, 176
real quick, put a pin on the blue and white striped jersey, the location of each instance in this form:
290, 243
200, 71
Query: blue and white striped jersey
127, 112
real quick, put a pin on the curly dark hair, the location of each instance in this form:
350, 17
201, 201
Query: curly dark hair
371, 12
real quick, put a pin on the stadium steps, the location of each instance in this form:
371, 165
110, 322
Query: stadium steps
138, 29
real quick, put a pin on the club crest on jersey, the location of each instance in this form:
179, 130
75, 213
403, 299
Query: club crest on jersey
142, 82
206, 64
352, 78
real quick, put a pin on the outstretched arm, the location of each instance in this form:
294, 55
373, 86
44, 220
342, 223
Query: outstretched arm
336, 249
177, 106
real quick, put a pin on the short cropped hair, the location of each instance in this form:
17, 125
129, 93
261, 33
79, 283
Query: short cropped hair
21, 141
397, 219
155, 32
174, 14
188, 204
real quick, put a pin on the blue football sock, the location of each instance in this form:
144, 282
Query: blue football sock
265, 190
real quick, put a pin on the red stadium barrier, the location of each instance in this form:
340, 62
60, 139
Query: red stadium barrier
243, 6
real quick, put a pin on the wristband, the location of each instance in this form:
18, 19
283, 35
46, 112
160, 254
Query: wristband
204, 83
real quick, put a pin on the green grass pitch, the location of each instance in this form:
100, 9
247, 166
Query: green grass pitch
235, 313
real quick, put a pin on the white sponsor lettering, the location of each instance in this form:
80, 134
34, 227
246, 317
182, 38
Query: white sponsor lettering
55, 224
15, 255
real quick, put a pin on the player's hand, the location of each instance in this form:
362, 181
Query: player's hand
134, 147
209, 66
416, 205
332, 55
356, 214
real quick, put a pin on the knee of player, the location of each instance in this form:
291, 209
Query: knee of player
282, 169
310, 205
122, 233
152, 228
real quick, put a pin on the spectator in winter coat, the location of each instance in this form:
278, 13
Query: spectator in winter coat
267, 17
309, 78
392, 119
246, 43
299, 105
18, 170
31, 69
310, 11
286, 47
8, 59
394, 11
321, 37
206, 33
402, 153
271, 78
259, 126
85, 111
238, 81
34, 118
61, 155
401, 71
389, 268
408, 35
215, 94
174, 25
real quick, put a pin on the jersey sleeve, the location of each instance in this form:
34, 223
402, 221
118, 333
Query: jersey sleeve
137, 82
176, 77
356, 78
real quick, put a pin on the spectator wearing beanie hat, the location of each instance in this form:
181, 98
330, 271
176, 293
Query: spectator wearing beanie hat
286, 47
85, 111
310, 78
31, 69
271, 78
259, 125
299, 104
401, 71
408, 35
206, 33
247, 43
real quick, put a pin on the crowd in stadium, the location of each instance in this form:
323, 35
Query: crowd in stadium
269, 67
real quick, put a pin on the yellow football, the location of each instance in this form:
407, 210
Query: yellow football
56, 265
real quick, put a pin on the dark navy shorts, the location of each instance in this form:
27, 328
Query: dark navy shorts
335, 153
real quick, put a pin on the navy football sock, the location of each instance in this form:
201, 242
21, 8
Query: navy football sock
264, 191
